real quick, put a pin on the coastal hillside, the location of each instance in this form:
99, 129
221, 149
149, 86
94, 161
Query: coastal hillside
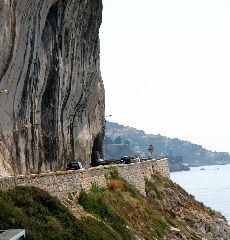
117, 212
123, 140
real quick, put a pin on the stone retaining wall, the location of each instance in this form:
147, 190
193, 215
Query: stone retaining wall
63, 182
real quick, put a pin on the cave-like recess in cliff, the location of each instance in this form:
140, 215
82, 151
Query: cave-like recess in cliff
97, 150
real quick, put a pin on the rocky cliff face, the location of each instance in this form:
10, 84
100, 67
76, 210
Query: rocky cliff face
52, 95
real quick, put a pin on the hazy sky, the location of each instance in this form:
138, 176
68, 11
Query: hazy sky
166, 67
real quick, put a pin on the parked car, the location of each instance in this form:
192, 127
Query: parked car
125, 160
138, 158
74, 166
130, 159
99, 162
134, 159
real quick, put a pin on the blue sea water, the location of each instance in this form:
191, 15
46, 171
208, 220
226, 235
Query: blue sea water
210, 186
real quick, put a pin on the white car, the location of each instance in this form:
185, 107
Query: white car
135, 159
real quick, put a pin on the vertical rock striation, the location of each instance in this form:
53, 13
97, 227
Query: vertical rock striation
53, 111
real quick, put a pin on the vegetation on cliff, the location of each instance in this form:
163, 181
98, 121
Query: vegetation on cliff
44, 217
116, 212
167, 212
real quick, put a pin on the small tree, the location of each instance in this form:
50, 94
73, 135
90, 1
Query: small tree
108, 140
117, 140
127, 142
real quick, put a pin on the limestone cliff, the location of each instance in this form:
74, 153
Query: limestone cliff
52, 94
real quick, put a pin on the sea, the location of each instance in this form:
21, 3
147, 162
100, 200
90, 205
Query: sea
208, 184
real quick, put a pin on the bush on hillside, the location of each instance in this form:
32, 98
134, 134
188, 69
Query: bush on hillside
44, 217
105, 213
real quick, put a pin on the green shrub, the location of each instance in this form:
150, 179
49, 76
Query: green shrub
160, 223
96, 189
157, 176
150, 186
105, 213
132, 190
44, 217
113, 174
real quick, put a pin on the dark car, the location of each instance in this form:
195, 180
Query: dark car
125, 160
74, 166
99, 162
130, 159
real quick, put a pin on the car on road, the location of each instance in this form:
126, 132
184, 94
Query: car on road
98, 162
130, 159
125, 160
74, 166
134, 159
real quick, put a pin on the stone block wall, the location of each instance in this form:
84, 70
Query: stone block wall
136, 173
64, 182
